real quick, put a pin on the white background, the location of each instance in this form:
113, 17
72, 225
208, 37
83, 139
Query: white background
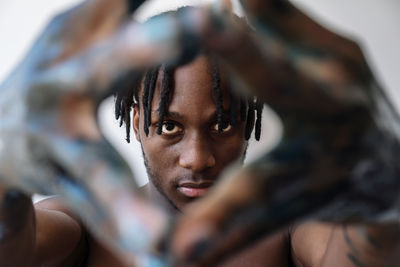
374, 23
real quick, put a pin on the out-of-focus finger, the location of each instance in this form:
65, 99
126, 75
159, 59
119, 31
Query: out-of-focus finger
248, 205
129, 51
76, 29
288, 23
331, 60
263, 66
93, 20
99, 186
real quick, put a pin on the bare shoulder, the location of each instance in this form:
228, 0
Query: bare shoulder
62, 240
309, 242
60, 237
273, 250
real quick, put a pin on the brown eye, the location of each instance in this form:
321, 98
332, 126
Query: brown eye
226, 127
170, 128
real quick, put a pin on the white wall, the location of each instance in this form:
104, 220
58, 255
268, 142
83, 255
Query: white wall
375, 23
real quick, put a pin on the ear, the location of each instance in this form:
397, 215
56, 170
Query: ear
136, 119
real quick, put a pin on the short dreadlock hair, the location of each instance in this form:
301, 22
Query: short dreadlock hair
249, 108
246, 109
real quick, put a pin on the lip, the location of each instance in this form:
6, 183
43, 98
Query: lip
190, 189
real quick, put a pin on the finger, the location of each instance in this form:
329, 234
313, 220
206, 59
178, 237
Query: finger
282, 22
250, 204
333, 61
74, 30
93, 20
120, 58
98, 185
291, 25
277, 69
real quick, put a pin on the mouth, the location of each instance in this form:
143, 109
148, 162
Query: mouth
192, 190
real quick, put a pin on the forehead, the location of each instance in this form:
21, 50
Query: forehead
193, 88
195, 74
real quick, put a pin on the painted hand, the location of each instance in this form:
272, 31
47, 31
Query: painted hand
49, 139
336, 159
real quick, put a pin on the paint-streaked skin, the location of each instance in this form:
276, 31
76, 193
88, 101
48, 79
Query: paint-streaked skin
49, 139
341, 135
337, 154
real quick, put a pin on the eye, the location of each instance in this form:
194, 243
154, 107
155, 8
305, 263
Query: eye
226, 127
170, 128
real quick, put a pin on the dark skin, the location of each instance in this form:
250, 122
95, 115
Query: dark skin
51, 235
189, 147
197, 152
191, 153
187, 158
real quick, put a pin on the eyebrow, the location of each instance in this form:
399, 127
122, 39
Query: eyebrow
171, 114
179, 116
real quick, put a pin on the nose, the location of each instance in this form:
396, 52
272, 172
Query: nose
196, 154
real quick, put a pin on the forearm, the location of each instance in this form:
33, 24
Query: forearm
17, 229
364, 246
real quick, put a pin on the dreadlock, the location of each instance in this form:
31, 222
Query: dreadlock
217, 94
249, 108
250, 118
259, 107
124, 103
149, 83
166, 90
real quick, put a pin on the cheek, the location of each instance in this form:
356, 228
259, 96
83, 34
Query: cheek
160, 159
230, 151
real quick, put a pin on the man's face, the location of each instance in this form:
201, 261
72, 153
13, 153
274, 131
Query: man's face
189, 155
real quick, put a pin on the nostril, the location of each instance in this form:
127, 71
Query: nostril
211, 161
197, 160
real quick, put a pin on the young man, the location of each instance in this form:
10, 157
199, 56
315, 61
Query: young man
190, 132
188, 137
187, 141
191, 126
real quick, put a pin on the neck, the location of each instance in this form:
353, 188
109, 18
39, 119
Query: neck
156, 197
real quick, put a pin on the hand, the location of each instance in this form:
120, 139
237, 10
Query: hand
340, 142
49, 139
